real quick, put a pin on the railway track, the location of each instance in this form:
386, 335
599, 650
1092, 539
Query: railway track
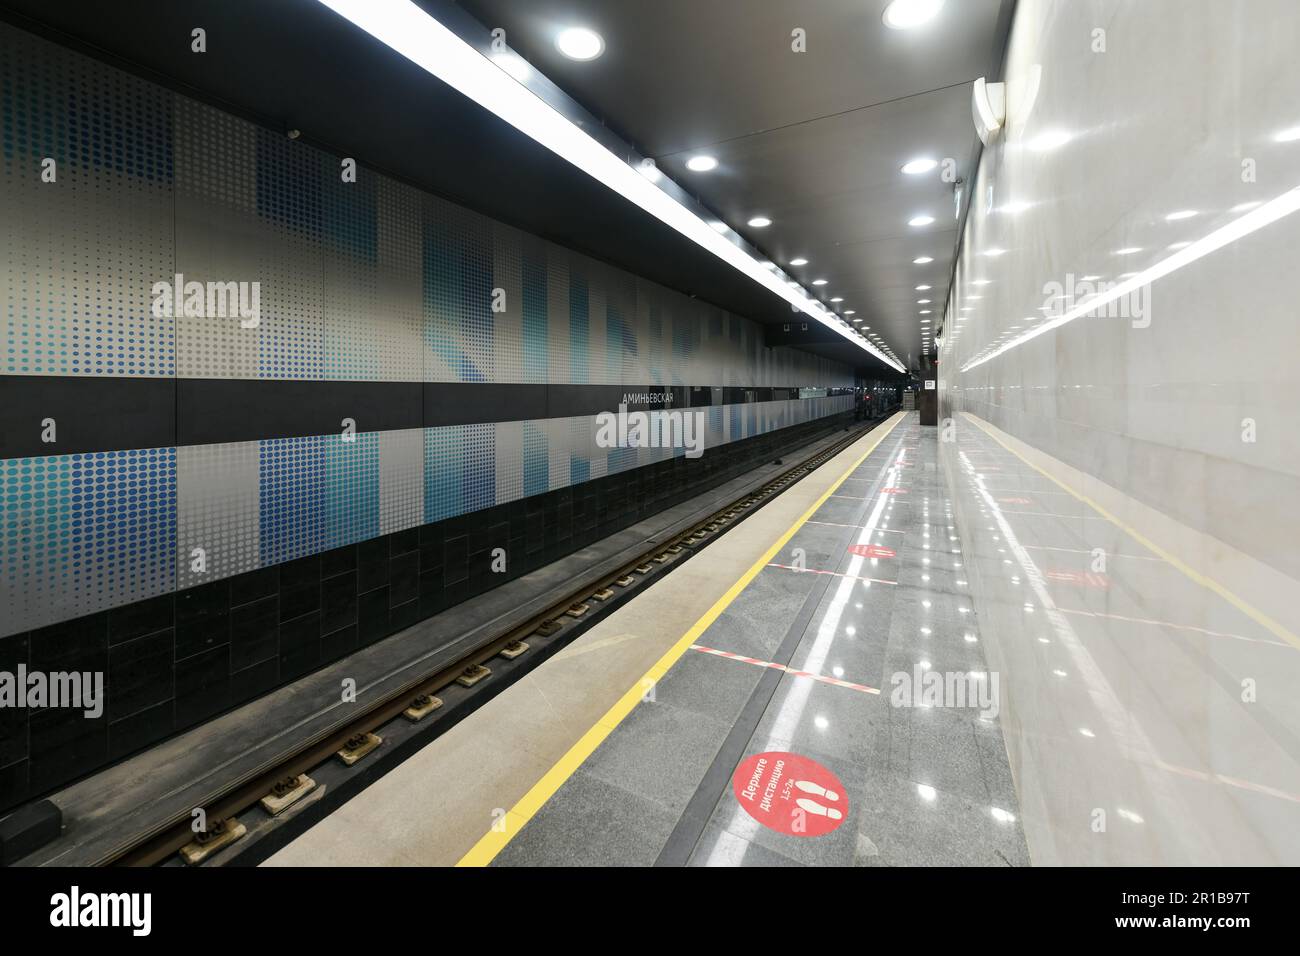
562, 621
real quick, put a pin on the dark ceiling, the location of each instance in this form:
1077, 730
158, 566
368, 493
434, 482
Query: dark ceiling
813, 141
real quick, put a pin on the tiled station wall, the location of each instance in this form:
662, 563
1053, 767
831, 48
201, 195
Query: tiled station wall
370, 291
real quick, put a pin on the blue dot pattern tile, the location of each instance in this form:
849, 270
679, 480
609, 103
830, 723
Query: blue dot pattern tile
370, 280
85, 532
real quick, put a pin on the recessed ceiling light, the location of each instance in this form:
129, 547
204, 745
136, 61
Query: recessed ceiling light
920, 220
850, 311
819, 281
579, 43
922, 261
760, 222
981, 281
918, 166
798, 262
925, 311
1052, 139
922, 301
838, 298
701, 164
905, 14
1128, 250
418, 37
1181, 214
994, 251
922, 288
1286, 136
717, 225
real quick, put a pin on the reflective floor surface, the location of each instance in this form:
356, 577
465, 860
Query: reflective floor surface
810, 663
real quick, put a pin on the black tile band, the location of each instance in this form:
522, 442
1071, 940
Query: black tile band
109, 413
180, 658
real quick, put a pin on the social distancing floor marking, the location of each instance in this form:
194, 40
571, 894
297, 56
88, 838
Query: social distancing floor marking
495, 840
860, 527
856, 577
790, 793
792, 671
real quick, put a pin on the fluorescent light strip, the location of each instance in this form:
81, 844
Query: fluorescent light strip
408, 30
1254, 220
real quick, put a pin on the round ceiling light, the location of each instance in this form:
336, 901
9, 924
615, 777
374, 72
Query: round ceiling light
920, 220
918, 166
922, 260
701, 164
579, 43
905, 14
760, 222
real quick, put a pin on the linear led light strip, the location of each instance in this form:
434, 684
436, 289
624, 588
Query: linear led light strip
424, 41
1239, 228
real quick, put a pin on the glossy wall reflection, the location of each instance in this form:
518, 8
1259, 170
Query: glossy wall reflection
1125, 467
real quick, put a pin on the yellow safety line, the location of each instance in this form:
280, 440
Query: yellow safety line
494, 841
1259, 617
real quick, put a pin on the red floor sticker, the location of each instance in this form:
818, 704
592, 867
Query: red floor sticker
791, 794
893, 491
871, 551
1083, 579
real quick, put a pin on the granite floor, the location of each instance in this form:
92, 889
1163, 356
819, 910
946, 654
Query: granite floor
867, 595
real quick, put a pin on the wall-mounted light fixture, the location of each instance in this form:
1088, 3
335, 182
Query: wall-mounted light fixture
988, 108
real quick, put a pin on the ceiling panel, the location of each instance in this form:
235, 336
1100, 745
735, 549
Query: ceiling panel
296, 64
812, 140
